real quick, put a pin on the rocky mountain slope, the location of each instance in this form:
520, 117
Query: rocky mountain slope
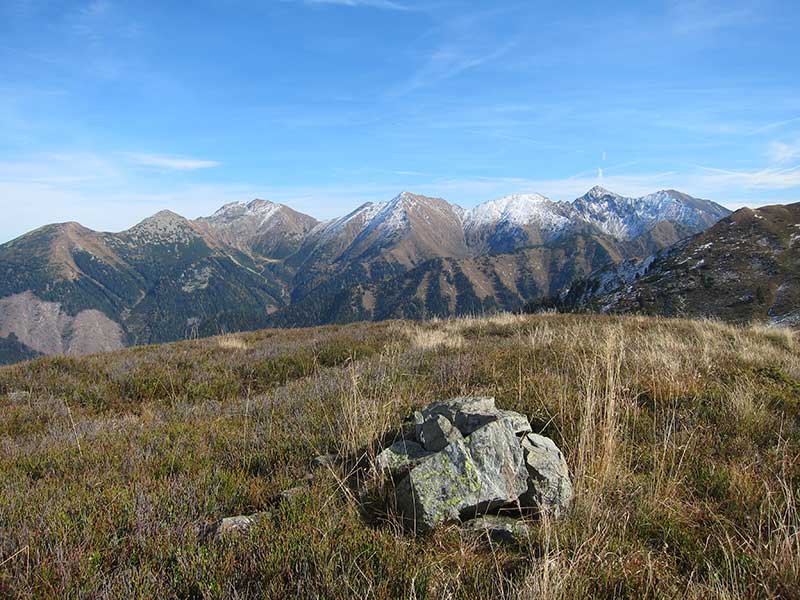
67, 289
260, 227
744, 268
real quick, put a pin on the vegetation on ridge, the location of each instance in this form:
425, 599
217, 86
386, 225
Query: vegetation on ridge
683, 439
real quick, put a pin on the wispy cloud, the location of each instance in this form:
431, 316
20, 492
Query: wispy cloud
782, 152
762, 179
385, 4
462, 43
775, 125
172, 163
447, 62
694, 17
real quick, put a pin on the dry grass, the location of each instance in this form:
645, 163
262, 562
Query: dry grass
430, 338
683, 439
231, 342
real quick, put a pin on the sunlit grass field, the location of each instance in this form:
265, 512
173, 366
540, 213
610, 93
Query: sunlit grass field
683, 439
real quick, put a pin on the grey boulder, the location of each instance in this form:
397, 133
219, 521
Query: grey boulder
469, 476
549, 485
230, 527
469, 458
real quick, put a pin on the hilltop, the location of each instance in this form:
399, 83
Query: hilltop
681, 437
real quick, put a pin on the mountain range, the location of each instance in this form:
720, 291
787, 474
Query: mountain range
66, 289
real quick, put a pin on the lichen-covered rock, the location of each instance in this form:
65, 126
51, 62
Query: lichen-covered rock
400, 457
498, 456
467, 459
549, 485
498, 529
436, 433
466, 478
467, 414
436, 490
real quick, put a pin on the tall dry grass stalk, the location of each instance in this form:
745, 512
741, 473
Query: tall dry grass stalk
603, 408
365, 406
424, 338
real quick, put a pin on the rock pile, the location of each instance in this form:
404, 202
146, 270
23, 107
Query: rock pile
463, 460
466, 458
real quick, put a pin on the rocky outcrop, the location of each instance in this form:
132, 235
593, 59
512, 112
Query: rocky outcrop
470, 458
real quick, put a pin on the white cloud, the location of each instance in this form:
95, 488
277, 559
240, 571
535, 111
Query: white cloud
172, 163
459, 44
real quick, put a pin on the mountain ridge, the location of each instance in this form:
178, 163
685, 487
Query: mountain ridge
260, 263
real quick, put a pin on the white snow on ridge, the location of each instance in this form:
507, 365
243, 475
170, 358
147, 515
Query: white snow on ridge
618, 216
518, 209
257, 209
626, 218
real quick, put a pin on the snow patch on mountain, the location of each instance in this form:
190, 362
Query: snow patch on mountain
626, 218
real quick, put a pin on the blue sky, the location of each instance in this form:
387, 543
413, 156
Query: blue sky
111, 110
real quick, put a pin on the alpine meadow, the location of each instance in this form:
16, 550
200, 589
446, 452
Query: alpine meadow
400, 300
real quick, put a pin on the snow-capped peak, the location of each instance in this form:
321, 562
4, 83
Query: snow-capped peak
600, 192
230, 207
661, 197
262, 210
518, 209
405, 200
393, 215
